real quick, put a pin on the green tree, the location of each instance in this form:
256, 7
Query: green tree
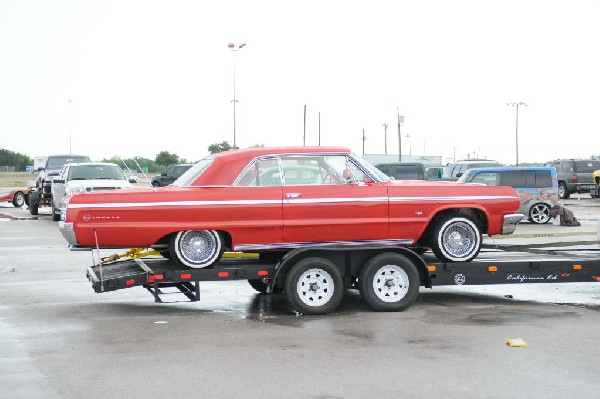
165, 158
220, 147
10, 158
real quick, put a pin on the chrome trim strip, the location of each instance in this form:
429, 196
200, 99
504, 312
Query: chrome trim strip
287, 201
292, 245
456, 198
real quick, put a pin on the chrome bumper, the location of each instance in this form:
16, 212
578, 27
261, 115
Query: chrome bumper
66, 229
510, 223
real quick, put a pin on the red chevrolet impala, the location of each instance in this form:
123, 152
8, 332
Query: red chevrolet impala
277, 199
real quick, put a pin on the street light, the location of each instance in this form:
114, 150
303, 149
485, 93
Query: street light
235, 48
69, 101
385, 136
516, 105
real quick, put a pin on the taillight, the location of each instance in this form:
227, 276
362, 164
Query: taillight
574, 179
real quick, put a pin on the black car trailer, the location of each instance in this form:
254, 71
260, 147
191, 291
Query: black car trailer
314, 279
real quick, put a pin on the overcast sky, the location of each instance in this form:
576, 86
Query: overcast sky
147, 76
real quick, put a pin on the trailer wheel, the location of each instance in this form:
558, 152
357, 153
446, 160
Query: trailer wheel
18, 199
456, 239
196, 248
314, 286
389, 282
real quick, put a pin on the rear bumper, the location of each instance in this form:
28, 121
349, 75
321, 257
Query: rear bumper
510, 223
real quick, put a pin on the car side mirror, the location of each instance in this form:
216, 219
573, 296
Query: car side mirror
459, 174
132, 179
163, 174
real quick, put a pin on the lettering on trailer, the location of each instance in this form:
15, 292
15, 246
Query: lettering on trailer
524, 278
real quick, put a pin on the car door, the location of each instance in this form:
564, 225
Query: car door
341, 204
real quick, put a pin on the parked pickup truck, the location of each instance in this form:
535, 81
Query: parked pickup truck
41, 195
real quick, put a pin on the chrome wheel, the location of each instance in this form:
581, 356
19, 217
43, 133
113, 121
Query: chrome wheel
456, 239
196, 248
539, 213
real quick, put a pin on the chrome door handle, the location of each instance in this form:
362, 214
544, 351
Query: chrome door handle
293, 195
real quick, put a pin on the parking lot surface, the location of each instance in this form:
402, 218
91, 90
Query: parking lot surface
59, 339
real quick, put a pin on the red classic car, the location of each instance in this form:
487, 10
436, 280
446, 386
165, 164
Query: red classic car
277, 199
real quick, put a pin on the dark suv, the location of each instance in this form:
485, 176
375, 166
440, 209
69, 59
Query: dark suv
170, 174
574, 175
404, 170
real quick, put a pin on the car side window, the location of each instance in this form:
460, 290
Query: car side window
514, 179
487, 178
262, 172
543, 178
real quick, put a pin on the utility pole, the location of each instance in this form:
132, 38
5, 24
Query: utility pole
385, 136
400, 122
516, 105
363, 140
304, 136
319, 128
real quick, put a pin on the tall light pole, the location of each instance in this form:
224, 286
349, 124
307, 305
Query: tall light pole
516, 105
385, 136
235, 48
400, 122
69, 102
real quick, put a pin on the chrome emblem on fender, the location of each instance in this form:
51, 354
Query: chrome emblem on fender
86, 218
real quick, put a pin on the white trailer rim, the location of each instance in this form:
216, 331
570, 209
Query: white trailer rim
315, 287
390, 283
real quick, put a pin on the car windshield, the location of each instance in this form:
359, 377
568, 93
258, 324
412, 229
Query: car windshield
95, 172
372, 169
58, 162
193, 173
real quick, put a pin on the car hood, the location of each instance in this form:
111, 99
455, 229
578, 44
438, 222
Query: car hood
102, 183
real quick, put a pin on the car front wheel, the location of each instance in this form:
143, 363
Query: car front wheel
539, 213
196, 248
456, 239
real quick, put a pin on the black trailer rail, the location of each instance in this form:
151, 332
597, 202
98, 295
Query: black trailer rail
156, 274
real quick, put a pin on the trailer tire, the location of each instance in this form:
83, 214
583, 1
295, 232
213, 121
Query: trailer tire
456, 239
389, 282
196, 248
314, 286
18, 199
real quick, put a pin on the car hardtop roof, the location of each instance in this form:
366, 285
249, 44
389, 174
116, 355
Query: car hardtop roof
509, 168
475, 160
261, 151
91, 163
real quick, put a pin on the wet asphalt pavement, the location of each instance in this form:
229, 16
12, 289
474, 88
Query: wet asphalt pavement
59, 339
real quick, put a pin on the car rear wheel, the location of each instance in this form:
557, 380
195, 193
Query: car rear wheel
196, 248
563, 192
456, 239
539, 213
18, 199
